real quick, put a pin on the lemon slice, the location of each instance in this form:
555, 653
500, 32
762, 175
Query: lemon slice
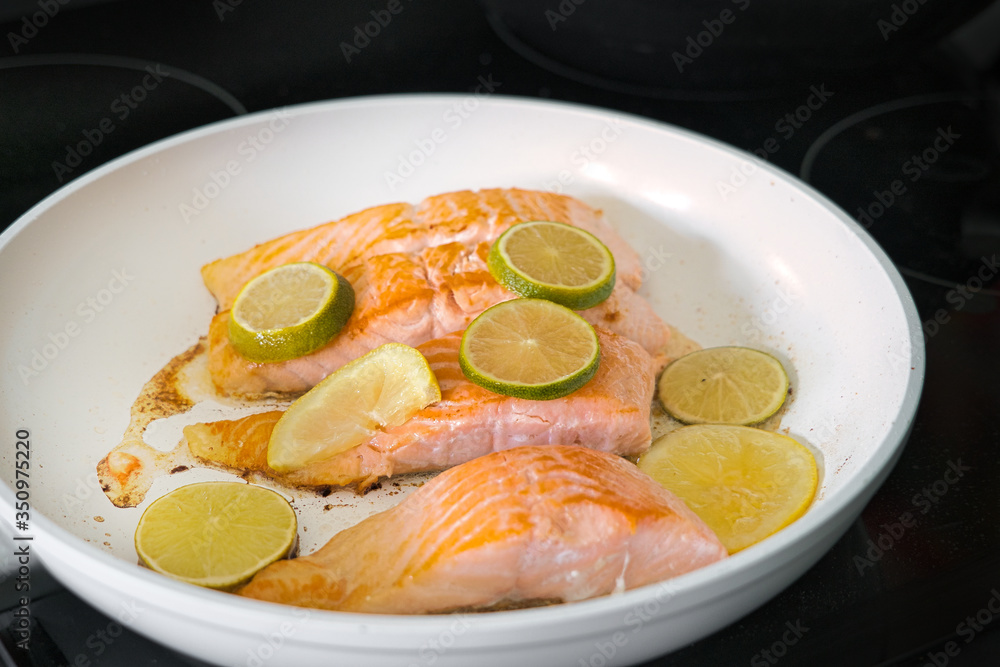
723, 385
215, 534
554, 261
744, 483
382, 389
529, 348
289, 311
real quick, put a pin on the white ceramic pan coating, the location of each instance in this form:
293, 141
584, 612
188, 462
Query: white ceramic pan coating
101, 287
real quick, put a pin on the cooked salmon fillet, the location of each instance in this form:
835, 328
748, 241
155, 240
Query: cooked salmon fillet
410, 298
557, 523
609, 413
464, 217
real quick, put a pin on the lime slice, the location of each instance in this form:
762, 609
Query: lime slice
382, 389
723, 385
289, 311
744, 483
554, 261
529, 348
215, 534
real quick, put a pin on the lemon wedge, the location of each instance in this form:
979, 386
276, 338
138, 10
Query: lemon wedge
215, 534
723, 385
289, 311
382, 389
530, 348
745, 483
554, 261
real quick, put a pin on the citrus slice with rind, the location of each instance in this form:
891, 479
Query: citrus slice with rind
745, 483
289, 311
384, 388
215, 534
723, 385
530, 348
554, 261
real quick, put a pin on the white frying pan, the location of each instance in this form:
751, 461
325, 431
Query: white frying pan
101, 287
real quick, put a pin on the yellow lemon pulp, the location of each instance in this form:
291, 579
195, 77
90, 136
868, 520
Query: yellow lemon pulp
744, 483
383, 388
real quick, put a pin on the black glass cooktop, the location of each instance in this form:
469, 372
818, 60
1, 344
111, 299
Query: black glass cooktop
911, 150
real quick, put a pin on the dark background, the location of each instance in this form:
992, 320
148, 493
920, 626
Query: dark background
59, 83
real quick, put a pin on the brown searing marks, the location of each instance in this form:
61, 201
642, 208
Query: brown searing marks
504, 605
128, 471
164, 394
369, 484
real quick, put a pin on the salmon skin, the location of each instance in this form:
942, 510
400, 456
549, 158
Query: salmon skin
555, 524
609, 413
464, 217
410, 298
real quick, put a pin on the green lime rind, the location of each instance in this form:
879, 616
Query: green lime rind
504, 271
275, 345
534, 392
563, 386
